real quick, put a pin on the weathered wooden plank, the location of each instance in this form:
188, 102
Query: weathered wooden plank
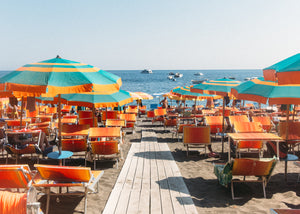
155, 200
133, 204
115, 194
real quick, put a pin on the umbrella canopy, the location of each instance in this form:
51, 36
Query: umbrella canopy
97, 100
172, 96
185, 93
140, 96
286, 71
262, 91
219, 86
58, 76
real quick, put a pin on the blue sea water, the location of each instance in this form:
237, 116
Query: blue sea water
158, 83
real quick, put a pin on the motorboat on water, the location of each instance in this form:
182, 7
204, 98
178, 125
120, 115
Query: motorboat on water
198, 74
178, 75
171, 73
198, 81
146, 71
170, 77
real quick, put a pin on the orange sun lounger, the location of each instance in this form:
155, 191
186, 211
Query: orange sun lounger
65, 176
21, 202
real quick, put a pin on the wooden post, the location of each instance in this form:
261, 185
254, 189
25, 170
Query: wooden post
59, 123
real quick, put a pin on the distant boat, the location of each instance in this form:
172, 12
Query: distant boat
247, 79
198, 81
178, 75
232, 78
198, 74
171, 73
170, 77
146, 71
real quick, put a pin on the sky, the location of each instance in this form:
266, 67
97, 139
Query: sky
154, 34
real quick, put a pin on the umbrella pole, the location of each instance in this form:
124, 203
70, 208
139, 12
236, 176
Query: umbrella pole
223, 124
22, 100
294, 110
94, 125
59, 124
287, 122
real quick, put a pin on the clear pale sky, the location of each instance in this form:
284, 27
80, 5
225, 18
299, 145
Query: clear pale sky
156, 34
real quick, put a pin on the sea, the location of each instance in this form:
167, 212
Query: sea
157, 83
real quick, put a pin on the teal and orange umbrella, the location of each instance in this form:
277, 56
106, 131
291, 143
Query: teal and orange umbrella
265, 91
284, 72
58, 76
220, 87
186, 94
141, 95
97, 100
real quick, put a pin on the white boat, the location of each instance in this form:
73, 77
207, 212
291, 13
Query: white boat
146, 71
198, 74
247, 79
178, 75
170, 77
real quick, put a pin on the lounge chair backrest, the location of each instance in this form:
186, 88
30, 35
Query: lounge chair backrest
265, 122
181, 127
51, 110
109, 115
238, 118
105, 147
293, 130
255, 167
128, 117
85, 114
160, 112
246, 127
150, 114
213, 120
104, 132
194, 135
115, 123
64, 173
75, 130
14, 176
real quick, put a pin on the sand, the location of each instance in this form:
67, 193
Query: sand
197, 171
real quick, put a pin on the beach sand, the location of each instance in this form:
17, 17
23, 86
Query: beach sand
197, 171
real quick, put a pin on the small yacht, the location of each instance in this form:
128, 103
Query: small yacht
170, 77
171, 73
178, 75
146, 71
198, 74
247, 79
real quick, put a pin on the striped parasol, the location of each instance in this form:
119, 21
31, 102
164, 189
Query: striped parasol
185, 93
58, 76
140, 96
284, 72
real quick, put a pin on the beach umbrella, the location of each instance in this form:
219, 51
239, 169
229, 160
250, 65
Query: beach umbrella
58, 76
185, 93
265, 91
284, 72
220, 87
140, 95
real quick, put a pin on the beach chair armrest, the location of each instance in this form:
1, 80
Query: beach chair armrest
97, 174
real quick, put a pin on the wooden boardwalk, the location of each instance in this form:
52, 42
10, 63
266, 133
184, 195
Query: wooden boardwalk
150, 181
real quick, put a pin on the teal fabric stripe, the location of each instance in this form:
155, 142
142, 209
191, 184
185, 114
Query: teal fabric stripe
289, 64
58, 66
58, 60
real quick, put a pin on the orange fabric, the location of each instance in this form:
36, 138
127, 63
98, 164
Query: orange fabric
227, 112
31, 114
74, 145
245, 127
181, 126
109, 115
64, 173
215, 123
253, 167
12, 176
293, 131
265, 122
12, 203
150, 114
70, 116
170, 122
104, 147
45, 118
88, 121
238, 118
66, 108
68, 120
128, 117
29, 149
74, 130
85, 114
51, 110
160, 112
199, 135
115, 123
16, 123
104, 132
